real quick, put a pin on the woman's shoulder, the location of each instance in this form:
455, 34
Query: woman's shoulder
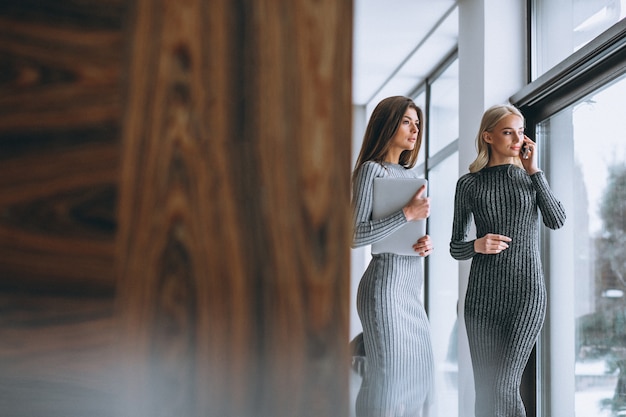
371, 169
467, 182
468, 178
373, 165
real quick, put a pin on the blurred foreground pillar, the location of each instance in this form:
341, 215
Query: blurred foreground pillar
234, 231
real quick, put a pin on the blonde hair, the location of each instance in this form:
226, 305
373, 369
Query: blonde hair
491, 118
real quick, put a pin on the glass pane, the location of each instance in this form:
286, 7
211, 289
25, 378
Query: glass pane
420, 100
443, 120
443, 285
562, 27
587, 280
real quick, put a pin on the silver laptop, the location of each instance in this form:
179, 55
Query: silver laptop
390, 195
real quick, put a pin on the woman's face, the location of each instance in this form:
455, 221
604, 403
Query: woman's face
506, 138
406, 135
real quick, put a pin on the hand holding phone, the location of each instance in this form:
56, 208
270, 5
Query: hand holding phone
528, 155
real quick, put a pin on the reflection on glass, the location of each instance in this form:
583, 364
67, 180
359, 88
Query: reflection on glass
589, 136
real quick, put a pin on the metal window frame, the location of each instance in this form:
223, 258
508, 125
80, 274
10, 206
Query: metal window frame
595, 65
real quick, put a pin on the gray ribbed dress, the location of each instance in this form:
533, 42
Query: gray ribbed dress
505, 303
396, 331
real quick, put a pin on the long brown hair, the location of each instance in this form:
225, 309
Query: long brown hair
383, 125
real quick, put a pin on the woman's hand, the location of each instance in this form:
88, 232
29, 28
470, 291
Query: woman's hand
423, 246
491, 244
529, 158
418, 208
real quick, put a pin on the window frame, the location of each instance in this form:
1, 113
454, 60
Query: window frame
593, 66
449, 149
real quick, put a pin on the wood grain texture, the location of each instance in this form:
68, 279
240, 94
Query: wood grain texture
174, 207
61, 107
60, 114
234, 208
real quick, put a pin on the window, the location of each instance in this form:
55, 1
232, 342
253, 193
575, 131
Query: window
588, 259
442, 288
562, 27
420, 100
573, 108
441, 283
443, 114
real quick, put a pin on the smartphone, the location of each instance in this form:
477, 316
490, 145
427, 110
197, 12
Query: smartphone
524, 151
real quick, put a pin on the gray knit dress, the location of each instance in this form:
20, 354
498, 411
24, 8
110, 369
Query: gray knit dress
505, 303
399, 371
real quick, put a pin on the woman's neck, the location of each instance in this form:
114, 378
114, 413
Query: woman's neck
494, 161
392, 157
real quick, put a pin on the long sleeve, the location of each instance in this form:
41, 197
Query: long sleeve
366, 230
552, 210
460, 248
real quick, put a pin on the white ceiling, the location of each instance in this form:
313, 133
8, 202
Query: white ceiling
397, 43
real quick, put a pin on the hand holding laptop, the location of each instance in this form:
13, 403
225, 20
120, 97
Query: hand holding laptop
418, 208
423, 246
390, 196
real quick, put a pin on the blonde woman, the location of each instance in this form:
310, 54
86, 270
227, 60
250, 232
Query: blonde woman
505, 303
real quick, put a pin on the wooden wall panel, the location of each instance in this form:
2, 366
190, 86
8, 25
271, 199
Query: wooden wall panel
239, 125
174, 207
61, 107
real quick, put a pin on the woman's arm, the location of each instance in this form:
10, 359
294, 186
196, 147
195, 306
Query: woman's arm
366, 230
460, 248
552, 210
